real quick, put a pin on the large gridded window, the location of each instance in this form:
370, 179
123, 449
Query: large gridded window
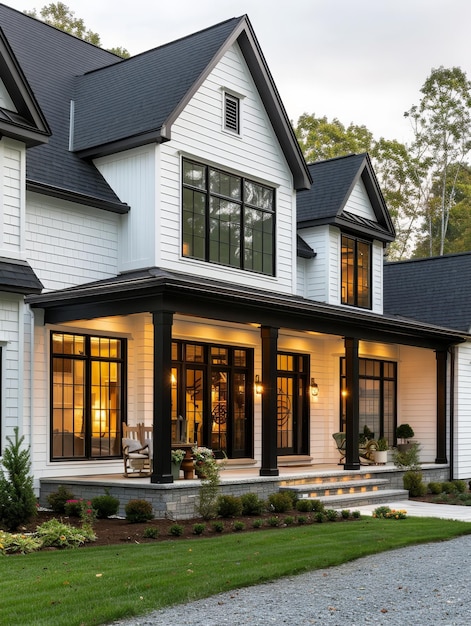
228, 219
356, 272
377, 397
87, 391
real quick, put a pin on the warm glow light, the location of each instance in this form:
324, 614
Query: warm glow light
258, 385
314, 388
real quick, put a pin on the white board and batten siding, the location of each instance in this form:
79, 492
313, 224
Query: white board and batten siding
462, 409
255, 153
133, 175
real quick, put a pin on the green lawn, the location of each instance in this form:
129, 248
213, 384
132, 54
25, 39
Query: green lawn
90, 585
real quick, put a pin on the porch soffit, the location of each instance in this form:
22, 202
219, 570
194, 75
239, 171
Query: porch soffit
154, 289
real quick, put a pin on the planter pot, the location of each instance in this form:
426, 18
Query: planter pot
381, 456
176, 470
404, 447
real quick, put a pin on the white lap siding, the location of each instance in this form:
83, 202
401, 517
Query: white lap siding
462, 412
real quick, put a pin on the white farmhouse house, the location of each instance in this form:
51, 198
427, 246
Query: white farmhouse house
167, 256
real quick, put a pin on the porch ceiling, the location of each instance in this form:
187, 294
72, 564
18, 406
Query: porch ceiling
154, 289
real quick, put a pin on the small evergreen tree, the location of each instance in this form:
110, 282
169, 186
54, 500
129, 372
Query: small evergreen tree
17, 499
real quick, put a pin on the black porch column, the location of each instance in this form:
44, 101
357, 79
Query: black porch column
269, 337
352, 418
162, 420
441, 405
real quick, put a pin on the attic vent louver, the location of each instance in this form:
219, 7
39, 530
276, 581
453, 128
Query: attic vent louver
231, 113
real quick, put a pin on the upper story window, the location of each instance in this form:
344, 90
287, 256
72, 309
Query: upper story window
228, 219
231, 113
356, 272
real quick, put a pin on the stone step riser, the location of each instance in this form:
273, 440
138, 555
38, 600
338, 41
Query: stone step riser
372, 497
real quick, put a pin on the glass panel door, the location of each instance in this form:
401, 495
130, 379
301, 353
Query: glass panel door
285, 405
194, 404
219, 407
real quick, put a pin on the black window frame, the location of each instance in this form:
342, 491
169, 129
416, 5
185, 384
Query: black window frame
381, 373
357, 297
88, 358
232, 214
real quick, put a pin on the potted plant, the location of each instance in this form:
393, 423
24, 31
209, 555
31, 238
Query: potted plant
381, 452
204, 460
404, 432
177, 458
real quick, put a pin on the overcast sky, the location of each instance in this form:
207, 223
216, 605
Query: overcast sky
362, 61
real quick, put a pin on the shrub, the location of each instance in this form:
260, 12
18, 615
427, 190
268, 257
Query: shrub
289, 520
138, 511
151, 532
257, 523
318, 506
320, 517
17, 499
273, 521
217, 526
449, 487
280, 502
238, 526
57, 499
251, 504
414, 484
198, 529
356, 514
460, 485
381, 511
294, 497
408, 459
435, 488
176, 530
229, 506
345, 513
304, 506
105, 506
303, 519
331, 515
18, 543
73, 508
59, 535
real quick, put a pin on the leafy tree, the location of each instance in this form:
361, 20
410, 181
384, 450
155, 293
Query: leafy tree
17, 499
441, 123
61, 16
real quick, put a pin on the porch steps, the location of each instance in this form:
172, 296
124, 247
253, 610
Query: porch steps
348, 493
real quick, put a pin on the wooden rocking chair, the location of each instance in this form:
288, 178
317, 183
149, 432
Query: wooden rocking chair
365, 450
136, 452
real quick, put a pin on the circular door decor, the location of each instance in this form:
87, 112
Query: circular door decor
283, 408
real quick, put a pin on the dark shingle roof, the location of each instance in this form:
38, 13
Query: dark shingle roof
138, 96
333, 183
18, 277
435, 290
50, 60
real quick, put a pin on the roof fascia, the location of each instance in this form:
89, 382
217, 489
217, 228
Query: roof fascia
71, 196
23, 98
95, 152
376, 196
243, 34
347, 226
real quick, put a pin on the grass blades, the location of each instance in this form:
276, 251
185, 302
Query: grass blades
91, 586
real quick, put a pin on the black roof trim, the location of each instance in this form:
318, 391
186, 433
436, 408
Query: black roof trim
151, 288
29, 124
134, 141
18, 277
303, 250
73, 196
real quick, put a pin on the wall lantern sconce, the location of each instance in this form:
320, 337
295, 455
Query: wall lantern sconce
258, 384
314, 388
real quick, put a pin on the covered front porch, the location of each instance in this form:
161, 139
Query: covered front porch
193, 346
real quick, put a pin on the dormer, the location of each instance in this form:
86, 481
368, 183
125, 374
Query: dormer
344, 218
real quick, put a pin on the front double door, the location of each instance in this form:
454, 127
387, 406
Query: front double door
292, 404
212, 395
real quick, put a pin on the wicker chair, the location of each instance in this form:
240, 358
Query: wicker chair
137, 454
365, 450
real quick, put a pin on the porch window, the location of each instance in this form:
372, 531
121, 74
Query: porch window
378, 396
228, 219
87, 390
356, 272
